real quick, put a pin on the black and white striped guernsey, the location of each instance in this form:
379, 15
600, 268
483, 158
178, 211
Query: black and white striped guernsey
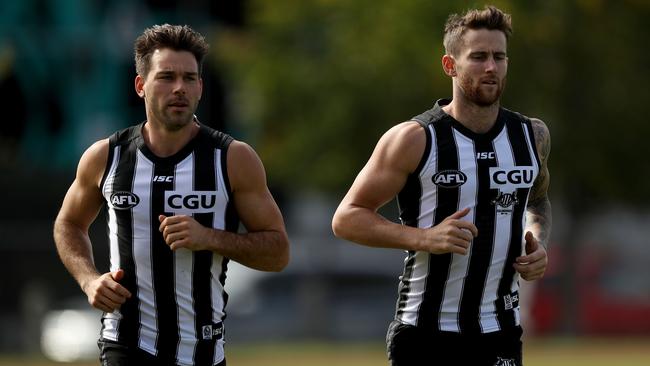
178, 301
492, 174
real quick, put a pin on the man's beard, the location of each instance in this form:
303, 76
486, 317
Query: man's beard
476, 95
176, 121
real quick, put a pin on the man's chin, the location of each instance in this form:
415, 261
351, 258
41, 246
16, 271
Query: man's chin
487, 100
486, 103
176, 124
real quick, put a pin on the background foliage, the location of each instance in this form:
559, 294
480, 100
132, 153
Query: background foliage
318, 82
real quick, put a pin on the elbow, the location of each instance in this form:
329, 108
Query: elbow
282, 260
339, 225
281, 263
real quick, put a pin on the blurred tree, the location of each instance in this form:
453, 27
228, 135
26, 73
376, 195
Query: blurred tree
318, 82
580, 66
322, 80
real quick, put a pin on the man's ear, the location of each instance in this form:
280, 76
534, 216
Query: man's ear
139, 86
449, 65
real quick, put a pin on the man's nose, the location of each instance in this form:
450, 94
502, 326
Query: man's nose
490, 64
179, 86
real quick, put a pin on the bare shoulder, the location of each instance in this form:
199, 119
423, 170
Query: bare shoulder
240, 152
403, 144
93, 163
405, 133
245, 168
542, 138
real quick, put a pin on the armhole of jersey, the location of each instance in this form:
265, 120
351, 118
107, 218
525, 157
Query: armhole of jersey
109, 161
225, 147
531, 135
232, 219
427, 148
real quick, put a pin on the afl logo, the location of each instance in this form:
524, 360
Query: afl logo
449, 178
124, 200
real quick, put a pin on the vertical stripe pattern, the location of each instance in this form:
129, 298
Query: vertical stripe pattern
491, 174
178, 302
142, 253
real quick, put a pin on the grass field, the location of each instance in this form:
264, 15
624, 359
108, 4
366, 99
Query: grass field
537, 352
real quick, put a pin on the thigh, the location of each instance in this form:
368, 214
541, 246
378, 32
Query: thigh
503, 348
408, 345
112, 354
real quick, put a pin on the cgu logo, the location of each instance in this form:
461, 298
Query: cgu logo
124, 200
190, 202
519, 177
449, 178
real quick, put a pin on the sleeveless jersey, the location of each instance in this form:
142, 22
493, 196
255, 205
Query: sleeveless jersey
492, 174
178, 298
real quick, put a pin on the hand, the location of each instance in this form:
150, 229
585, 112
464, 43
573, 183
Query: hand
105, 293
183, 232
532, 265
452, 235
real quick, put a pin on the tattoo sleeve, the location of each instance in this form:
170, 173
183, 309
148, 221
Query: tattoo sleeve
538, 212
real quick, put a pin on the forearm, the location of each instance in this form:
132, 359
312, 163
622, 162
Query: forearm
75, 250
539, 220
261, 250
367, 227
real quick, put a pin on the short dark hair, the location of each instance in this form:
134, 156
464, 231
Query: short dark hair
176, 37
490, 18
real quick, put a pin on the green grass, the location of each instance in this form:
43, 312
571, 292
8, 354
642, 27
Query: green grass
537, 352
588, 352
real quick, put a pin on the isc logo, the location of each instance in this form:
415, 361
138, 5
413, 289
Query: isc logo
190, 202
163, 178
123, 200
449, 178
485, 155
519, 177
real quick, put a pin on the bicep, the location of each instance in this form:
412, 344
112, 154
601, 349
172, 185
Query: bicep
83, 199
395, 157
80, 205
540, 187
253, 201
374, 186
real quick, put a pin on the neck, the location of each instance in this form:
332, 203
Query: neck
476, 118
163, 142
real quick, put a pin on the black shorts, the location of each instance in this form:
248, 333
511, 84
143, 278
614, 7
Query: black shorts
412, 346
114, 354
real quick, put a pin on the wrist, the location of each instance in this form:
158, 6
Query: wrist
419, 242
86, 280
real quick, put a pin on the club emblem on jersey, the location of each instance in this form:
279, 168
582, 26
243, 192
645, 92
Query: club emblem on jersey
505, 362
449, 178
123, 200
505, 202
207, 332
211, 331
